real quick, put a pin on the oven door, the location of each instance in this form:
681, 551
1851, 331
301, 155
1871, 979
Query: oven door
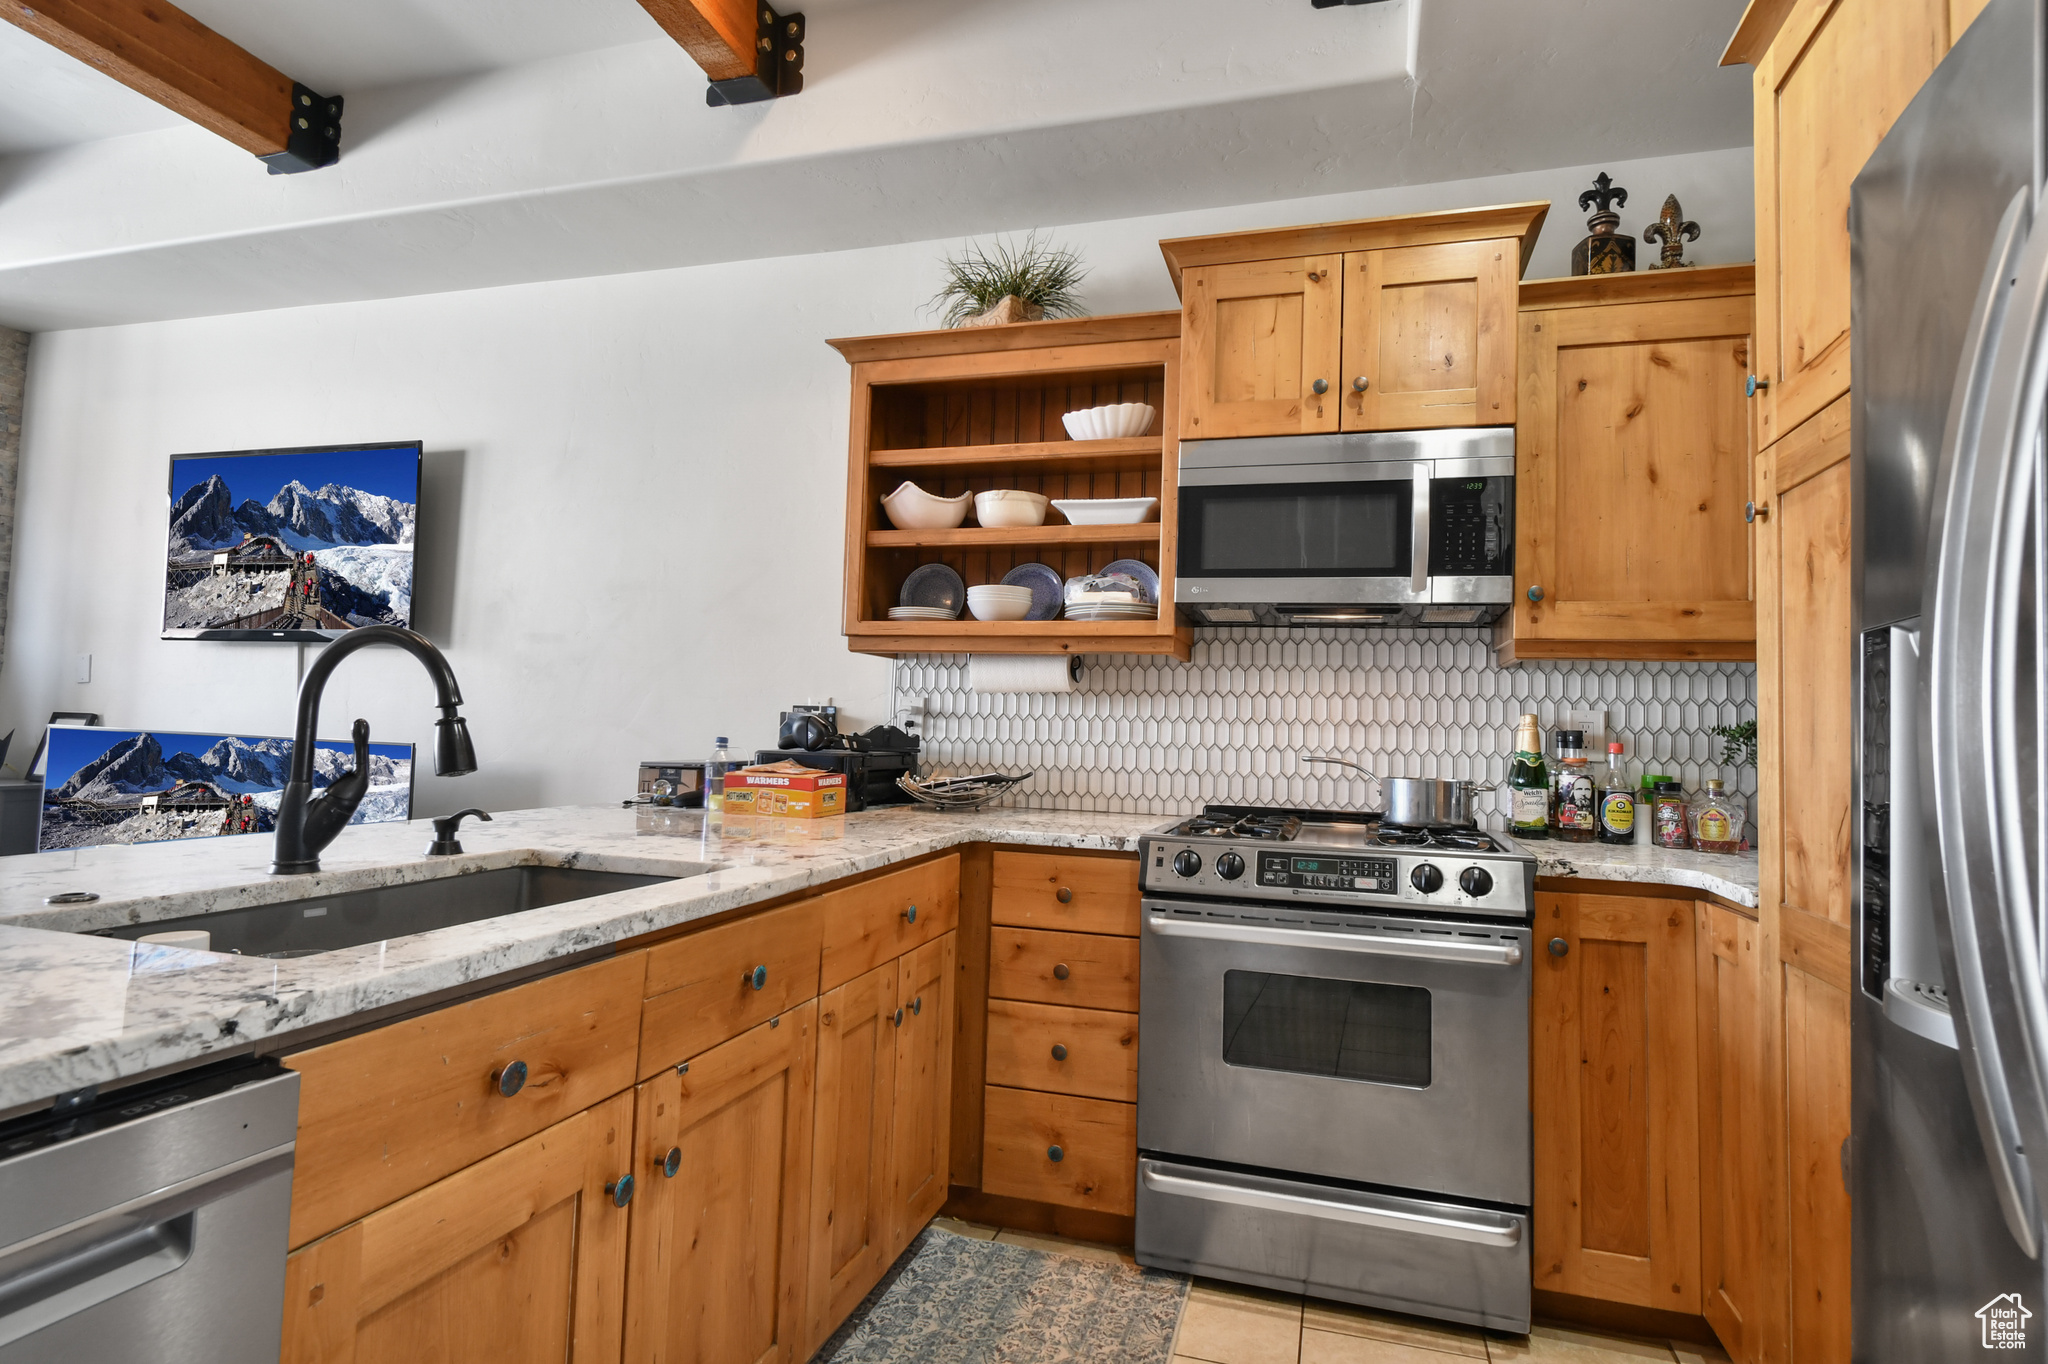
1381, 1050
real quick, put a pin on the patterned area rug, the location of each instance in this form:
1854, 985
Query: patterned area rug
953, 1300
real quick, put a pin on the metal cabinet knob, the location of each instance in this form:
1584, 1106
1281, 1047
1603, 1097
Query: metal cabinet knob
899, 1018
1060, 972
757, 977
511, 1079
1535, 592
911, 914
672, 1162
1059, 1051
917, 1005
1558, 947
1754, 385
1321, 386
1065, 895
621, 1190
1055, 1154
1360, 384
1753, 512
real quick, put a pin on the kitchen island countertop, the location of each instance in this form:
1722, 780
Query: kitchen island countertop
79, 1010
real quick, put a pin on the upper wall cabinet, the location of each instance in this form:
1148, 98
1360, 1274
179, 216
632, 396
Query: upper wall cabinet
1381, 324
1632, 467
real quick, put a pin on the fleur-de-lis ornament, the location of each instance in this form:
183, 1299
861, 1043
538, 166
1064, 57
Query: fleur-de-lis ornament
1603, 252
1673, 231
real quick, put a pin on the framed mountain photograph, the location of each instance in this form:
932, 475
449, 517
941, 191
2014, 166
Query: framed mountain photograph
303, 544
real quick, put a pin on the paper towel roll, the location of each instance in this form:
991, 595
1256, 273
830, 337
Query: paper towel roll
1021, 672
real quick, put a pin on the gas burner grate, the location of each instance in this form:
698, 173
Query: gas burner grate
1416, 836
1263, 828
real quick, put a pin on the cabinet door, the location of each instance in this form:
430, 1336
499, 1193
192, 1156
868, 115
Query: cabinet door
1256, 339
1633, 463
921, 1135
851, 1193
722, 1154
1807, 813
1826, 92
1734, 1159
1615, 1098
520, 1257
1429, 336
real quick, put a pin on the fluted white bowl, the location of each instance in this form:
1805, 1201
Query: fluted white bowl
1115, 421
912, 508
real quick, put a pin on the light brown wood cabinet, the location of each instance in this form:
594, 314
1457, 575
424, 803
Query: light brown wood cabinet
921, 1132
722, 1158
1736, 1159
1380, 324
1632, 461
519, 1257
1614, 1097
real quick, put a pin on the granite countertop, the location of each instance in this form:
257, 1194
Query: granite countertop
80, 1010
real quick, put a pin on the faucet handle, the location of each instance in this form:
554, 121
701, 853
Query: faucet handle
445, 829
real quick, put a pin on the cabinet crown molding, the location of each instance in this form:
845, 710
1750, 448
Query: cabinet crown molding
1009, 336
1641, 286
1361, 234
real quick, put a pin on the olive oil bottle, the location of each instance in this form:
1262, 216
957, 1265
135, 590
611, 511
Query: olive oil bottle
1529, 783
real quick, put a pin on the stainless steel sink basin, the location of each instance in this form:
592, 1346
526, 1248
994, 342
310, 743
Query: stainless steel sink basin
304, 928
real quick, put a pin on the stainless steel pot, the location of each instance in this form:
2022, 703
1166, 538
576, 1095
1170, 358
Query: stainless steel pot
1420, 800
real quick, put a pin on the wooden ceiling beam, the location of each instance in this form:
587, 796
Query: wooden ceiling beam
158, 50
749, 51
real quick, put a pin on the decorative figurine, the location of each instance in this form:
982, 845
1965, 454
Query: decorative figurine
1603, 253
1671, 229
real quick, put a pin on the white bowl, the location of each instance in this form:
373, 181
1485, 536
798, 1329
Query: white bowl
997, 608
1009, 507
1112, 422
912, 508
1108, 511
997, 592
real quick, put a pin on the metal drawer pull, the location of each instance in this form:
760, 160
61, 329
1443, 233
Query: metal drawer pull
672, 1162
1426, 949
917, 1005
1362, 1210
511, 1079
1360, 384
621, 1190
911, 914
1059, 1051
757, 977
1321, 386
1558, 947
1061, 972
1065, 895
1056, 1154
899, 1018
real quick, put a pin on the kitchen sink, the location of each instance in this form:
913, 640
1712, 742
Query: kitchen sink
304, 928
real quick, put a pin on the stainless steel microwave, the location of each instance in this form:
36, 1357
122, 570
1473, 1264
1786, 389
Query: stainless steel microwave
1364, 528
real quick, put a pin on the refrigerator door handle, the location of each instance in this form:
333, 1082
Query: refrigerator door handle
1959, 730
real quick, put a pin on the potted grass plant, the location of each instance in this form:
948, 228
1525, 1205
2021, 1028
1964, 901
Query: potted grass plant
1009, 281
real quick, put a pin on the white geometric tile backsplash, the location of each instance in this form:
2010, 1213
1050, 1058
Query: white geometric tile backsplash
1143, 735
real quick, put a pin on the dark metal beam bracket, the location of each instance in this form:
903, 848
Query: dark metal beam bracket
314, 137
778, 62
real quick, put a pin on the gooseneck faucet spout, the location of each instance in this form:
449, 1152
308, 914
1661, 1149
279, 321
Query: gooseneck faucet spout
306, 823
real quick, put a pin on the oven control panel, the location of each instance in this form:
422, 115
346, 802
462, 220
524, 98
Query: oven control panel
1286, 871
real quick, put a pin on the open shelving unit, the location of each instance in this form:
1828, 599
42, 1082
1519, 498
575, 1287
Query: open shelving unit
978, 409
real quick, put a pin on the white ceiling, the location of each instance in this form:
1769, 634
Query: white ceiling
498, 141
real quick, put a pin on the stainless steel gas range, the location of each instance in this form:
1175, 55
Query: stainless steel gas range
1333, 1086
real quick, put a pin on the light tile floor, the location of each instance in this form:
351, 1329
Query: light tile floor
1229, 1324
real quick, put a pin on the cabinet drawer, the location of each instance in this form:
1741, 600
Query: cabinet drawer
714, 985
1085, 970
1063, 891
879, 920
1097, 1051
1097, 1143
388, 1112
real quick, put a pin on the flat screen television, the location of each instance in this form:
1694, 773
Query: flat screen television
151, 785
304, 544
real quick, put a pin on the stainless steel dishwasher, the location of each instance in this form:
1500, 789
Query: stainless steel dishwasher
150, 1224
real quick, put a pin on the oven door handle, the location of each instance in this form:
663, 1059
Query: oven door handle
1338, 1205
1419, 558
1461, 953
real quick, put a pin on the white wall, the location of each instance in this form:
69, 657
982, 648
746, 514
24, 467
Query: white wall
633, 504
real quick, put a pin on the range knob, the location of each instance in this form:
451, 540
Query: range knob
1475, 881
1230, 866
1426, 878
1187, 862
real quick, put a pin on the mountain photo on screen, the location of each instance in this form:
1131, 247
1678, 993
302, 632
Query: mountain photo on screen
147, 786
295, 544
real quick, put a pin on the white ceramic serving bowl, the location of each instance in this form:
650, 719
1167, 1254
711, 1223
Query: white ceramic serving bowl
1114, 421
912, 508
1108, 511
1009, 507
999, 603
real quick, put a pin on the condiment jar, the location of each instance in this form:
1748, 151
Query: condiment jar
1668, 816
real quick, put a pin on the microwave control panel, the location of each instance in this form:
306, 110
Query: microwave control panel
1471, 526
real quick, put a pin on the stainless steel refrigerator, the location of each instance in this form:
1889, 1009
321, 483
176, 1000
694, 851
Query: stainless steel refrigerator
1948, 1161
